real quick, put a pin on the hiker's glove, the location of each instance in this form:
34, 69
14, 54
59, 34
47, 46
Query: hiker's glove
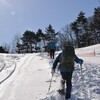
52, 71
81, 62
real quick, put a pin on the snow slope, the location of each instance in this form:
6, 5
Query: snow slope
28, 76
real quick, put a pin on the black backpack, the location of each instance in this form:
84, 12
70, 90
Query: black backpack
67, 58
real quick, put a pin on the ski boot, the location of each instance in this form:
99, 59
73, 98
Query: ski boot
67, 96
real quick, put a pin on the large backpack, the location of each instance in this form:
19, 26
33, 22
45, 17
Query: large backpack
67, 58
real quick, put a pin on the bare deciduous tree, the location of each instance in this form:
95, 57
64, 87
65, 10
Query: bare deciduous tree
15, 41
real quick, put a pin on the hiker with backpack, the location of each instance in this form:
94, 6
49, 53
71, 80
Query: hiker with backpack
66, 61
52, 49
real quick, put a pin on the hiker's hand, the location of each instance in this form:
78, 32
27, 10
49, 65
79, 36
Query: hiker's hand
81, 62
52, 71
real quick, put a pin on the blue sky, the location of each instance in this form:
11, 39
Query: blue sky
17, 16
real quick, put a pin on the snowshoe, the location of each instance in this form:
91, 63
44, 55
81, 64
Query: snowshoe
61, 91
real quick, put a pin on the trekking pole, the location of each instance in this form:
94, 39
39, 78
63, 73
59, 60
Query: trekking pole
81, 71
81, 79
82, 83
50, 84
48, 89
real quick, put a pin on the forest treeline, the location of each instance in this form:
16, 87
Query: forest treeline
81, 33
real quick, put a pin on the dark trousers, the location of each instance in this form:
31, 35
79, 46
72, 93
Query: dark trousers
67, 76
52, 53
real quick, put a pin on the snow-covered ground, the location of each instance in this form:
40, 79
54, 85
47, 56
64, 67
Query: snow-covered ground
28, 76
